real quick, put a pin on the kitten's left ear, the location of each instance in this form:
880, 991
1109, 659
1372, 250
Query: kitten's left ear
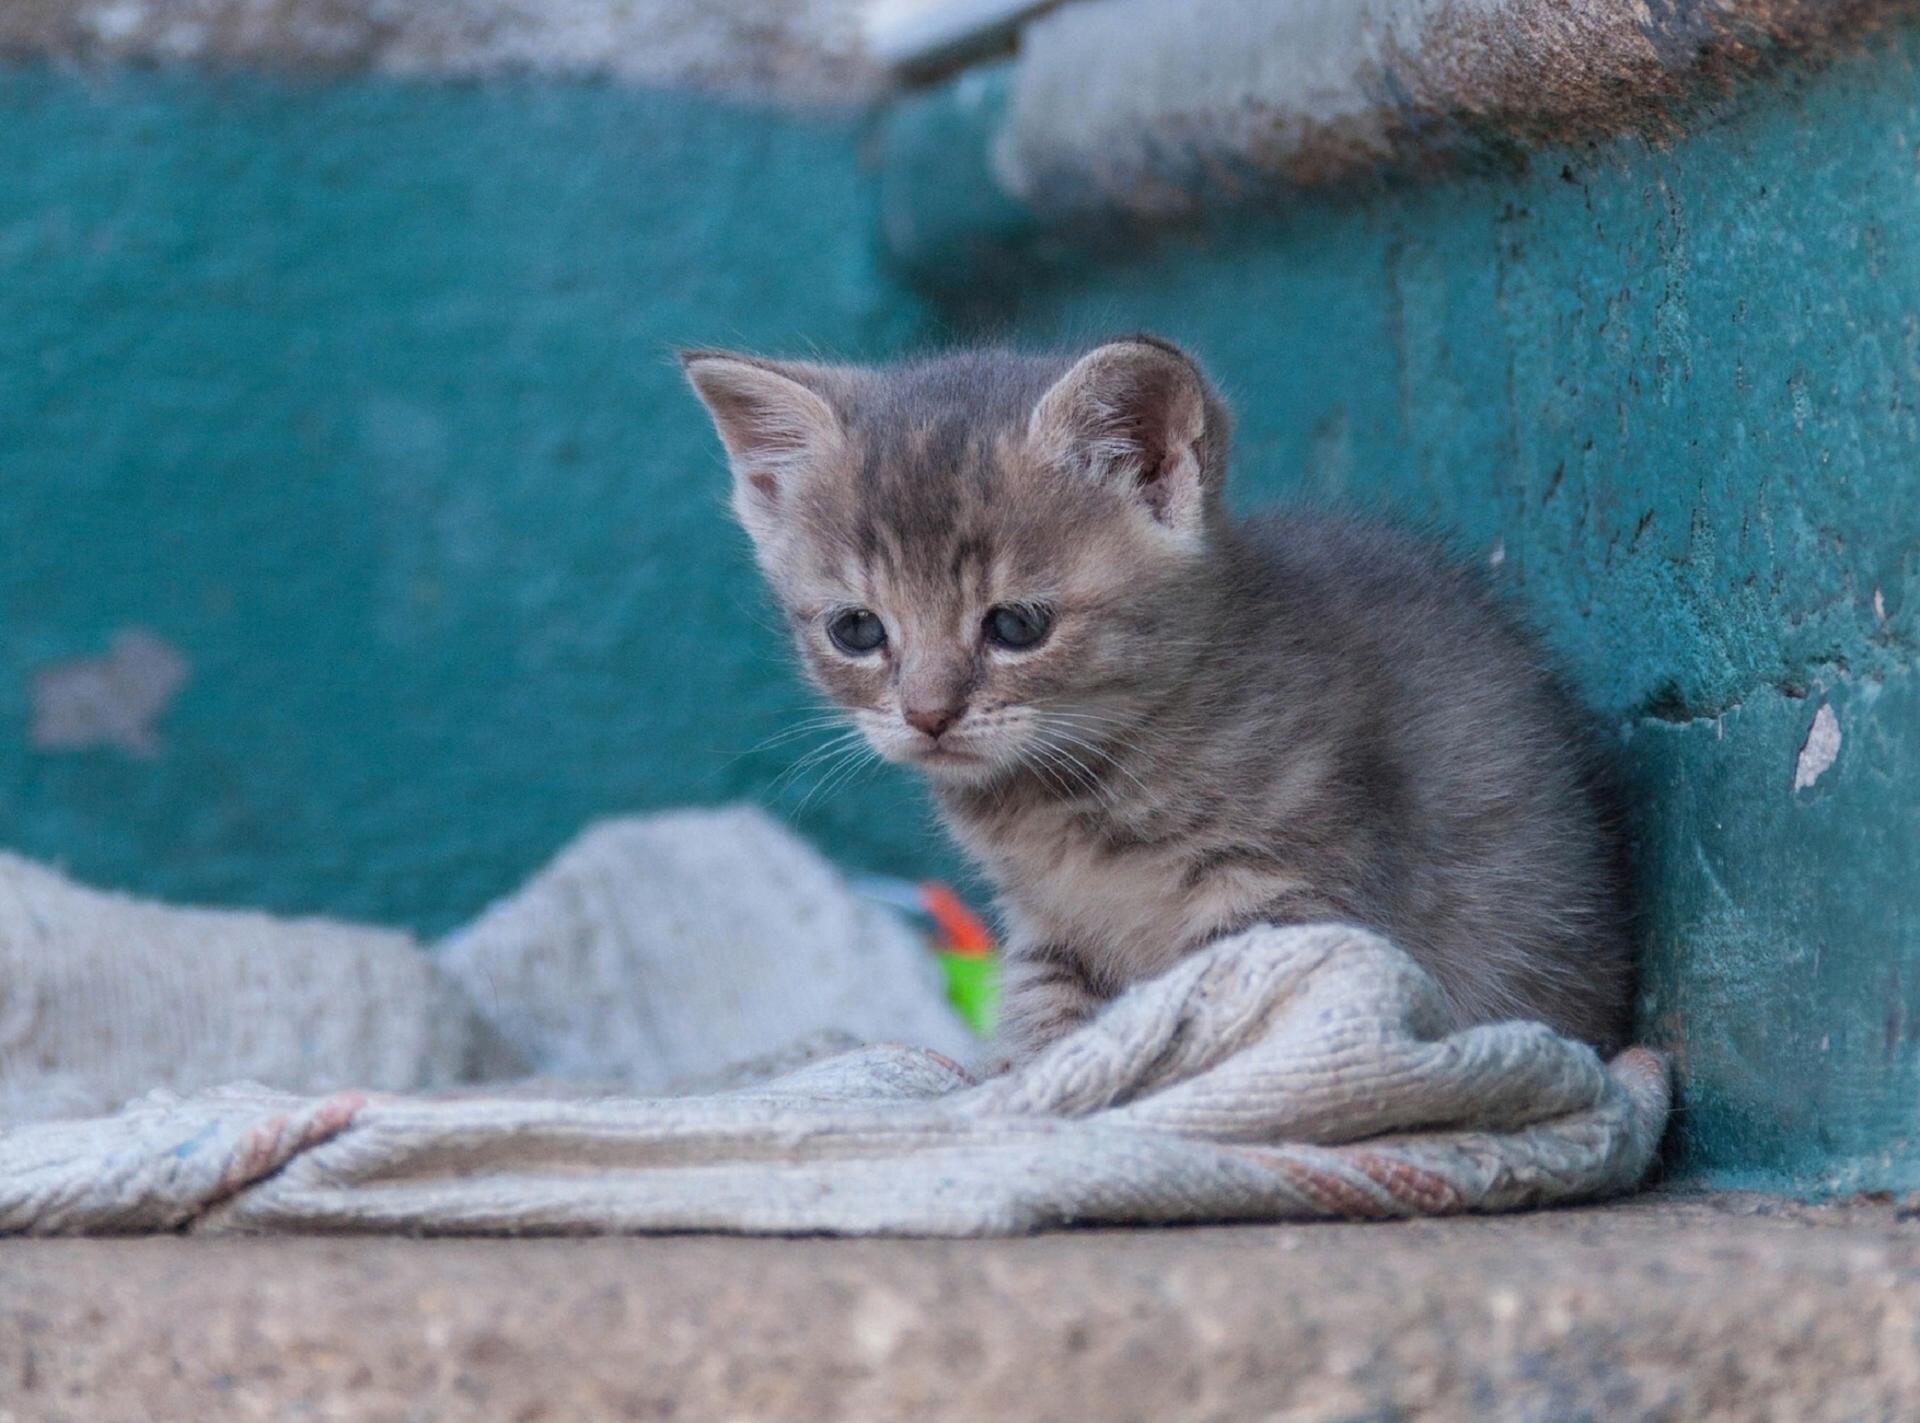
1138, 414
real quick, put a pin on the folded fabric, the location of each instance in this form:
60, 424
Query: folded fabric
1282, 1073
654, 952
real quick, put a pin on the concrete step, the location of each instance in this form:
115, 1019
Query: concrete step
1697, 1308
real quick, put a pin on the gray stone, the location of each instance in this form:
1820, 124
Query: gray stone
806, 50
1160, 110
1703, 1308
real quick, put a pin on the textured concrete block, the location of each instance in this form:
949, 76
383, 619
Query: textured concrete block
1706, 1311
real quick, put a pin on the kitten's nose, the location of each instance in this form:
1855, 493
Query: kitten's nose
932, 720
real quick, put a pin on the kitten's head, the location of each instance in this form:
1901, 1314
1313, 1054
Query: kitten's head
984, 557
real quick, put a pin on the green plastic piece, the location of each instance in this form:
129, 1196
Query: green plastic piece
973, 987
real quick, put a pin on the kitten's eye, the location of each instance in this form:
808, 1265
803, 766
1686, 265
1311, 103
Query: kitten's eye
1018, 625
856, 631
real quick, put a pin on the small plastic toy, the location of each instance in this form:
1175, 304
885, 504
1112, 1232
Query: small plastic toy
960, 940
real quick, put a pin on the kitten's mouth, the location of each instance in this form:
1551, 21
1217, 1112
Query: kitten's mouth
938, 753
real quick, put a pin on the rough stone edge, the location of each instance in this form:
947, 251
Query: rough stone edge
1712, 1309
1121, 106
808, 52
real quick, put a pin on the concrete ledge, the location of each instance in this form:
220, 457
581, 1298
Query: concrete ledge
1714, 1308
1143, 108
804, 50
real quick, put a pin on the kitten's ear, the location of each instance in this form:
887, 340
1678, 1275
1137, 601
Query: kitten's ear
1138, 414
774, 425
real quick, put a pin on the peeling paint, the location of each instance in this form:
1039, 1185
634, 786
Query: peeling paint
1819, 751
113, 701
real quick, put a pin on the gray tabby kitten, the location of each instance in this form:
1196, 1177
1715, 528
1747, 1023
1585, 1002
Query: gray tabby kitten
1153, 724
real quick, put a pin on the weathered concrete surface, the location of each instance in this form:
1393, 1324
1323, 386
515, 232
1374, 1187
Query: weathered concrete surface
805, 50
1717, 1310
360, 397
1138, 107
1782, 962
1672, 394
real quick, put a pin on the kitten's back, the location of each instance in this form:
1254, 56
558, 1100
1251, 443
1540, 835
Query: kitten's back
1495, 842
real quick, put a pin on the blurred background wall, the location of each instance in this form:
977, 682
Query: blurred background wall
357, 397
358, 541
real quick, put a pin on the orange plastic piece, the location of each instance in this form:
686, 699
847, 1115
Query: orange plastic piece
961, 931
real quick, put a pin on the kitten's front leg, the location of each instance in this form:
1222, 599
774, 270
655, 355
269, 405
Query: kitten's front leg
1046, 991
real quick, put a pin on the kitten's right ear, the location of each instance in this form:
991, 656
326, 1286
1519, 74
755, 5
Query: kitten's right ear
774, 426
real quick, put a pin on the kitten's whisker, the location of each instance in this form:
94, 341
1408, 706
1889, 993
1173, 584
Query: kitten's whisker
833, 769
1105, 741
1087, 773
1080, 772
1073, 773
842, 774
1104, 723
1040, 768
770, 744
1044, 756
1115, 719
831, 743
1060, 755
793, 769
1068, 735
792, 733
787, 738
802, 720
815, 718
822, 752
867, 766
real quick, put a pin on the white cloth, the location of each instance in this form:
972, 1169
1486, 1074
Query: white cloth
1282, 1073
654, 952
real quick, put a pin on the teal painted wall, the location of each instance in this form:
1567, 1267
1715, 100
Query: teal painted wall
359, 395
1674, 393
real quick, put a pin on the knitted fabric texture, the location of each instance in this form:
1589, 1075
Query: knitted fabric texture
1282, 1073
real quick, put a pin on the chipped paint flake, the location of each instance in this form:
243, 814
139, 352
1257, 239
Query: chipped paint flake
1819, 751
114, 701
